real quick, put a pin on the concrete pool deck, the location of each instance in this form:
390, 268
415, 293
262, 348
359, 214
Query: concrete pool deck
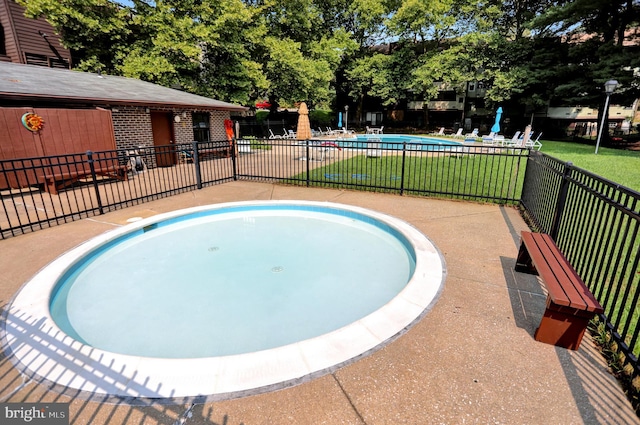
471, 359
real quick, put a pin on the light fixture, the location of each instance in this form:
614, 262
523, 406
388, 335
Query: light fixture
346, 117
609, 87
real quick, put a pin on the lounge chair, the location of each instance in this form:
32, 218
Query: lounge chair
439, 133
374, 146
458, 134
489, 139
534, 144
515, 140
332, 132
273, 136
471, 137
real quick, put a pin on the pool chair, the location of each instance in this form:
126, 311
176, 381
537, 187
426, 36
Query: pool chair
458, 134
515, 141
471, 137
374, 148
273, 136
331, 132
534, 144
489, 139
439, 133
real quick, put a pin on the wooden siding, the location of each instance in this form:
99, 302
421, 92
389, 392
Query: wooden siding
65, 131
10, 38
22, 35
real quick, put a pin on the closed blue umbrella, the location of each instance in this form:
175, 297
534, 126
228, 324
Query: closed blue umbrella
339, 119
496, 126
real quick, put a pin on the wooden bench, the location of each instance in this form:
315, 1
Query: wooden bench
215, 150
570, 305
55, 182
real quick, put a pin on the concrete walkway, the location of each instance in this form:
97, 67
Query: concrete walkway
471, 360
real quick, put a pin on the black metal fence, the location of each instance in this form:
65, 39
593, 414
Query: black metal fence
447, 170
40, 192
595, 223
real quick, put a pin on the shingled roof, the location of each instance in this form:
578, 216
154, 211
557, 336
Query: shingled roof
38, 83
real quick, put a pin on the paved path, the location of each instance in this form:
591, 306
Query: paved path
472, 359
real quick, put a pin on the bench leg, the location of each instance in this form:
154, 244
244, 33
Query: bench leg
562, 328
50, 186
523, 262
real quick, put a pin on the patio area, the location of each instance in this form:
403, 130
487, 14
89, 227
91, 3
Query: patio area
471, 359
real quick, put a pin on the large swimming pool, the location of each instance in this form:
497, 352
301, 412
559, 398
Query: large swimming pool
398, 142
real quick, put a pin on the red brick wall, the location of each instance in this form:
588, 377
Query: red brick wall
132, 126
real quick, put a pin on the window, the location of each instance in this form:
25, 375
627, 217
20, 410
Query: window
3, 48
449, 95
201, 127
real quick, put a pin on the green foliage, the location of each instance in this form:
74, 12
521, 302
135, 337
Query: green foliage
321, 117
318, 51
261, 116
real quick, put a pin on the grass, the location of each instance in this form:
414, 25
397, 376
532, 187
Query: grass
487, 177
620, 166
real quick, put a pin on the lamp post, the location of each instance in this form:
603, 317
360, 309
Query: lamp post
609, 87
346, 117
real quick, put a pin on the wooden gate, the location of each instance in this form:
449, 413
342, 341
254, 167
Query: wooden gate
65, 131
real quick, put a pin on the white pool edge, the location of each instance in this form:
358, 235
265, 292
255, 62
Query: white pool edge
41, 350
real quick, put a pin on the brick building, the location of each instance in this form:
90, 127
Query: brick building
142, 114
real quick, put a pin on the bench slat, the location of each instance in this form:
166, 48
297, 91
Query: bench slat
554, 268
553, 274
577, 288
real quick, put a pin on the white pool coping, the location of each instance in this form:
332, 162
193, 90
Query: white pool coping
41, 350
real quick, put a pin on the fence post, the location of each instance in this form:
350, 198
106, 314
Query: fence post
404, 156
234, 157
196, 163
94, 179
562, 200
308, 160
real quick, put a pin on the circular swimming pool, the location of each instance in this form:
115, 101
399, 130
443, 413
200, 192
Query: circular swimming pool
223, 299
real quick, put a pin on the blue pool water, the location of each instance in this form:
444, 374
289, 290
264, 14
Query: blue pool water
231, 281
397, 141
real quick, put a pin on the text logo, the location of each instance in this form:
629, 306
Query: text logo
34, 413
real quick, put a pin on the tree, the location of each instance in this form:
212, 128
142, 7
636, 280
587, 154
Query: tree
96, 31
593, 37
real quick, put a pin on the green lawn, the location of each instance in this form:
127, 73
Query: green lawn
620, 166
